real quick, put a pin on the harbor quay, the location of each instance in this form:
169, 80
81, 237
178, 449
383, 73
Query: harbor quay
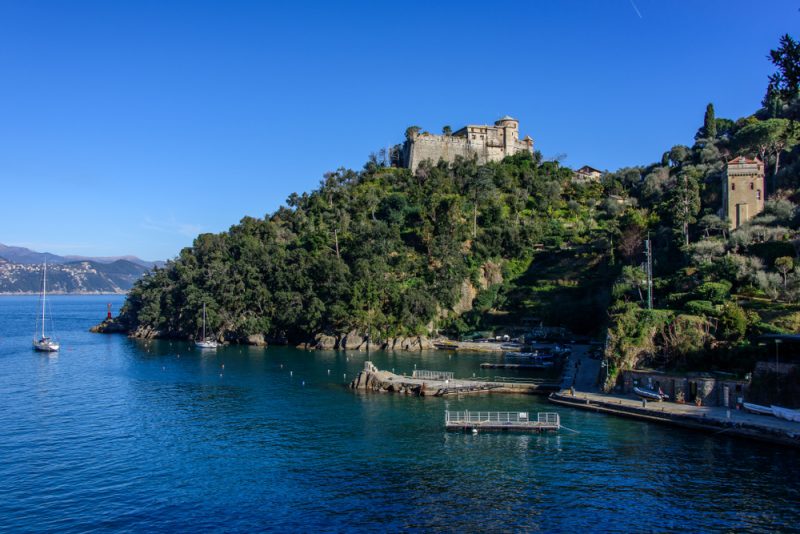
712, 419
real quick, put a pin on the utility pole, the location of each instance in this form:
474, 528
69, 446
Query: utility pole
649, 248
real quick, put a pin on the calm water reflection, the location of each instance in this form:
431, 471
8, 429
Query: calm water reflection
121, 434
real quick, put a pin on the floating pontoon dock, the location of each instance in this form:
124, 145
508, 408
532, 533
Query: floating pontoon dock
510, 421
489, 365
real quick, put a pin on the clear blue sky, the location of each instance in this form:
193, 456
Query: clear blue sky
129, 127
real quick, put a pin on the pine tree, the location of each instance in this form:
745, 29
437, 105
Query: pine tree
710, 122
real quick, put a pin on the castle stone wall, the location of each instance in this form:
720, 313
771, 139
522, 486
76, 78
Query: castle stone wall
485, 143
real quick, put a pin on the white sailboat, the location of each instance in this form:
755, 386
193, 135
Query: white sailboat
44, 343
206, 343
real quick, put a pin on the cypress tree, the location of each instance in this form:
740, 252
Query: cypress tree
710, 122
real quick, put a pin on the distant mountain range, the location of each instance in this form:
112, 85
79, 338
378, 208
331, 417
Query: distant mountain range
21, 272
27, 256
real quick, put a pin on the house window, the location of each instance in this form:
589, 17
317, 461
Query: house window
758, 194
473, 136
733, 187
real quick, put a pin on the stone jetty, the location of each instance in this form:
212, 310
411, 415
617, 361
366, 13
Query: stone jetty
373, 379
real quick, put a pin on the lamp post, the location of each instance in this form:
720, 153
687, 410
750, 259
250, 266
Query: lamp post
777, 370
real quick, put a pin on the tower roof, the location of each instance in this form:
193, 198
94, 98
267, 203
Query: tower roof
507, 118
742, 160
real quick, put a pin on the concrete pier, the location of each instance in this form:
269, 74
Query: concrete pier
714, 420
373, 379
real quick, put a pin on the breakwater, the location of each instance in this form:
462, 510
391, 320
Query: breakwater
373, 379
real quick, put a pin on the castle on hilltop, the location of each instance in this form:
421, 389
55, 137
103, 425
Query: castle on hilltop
486, 143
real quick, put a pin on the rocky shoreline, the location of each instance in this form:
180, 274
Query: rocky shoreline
352, 341
372, 379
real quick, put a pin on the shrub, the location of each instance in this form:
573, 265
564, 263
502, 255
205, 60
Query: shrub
732, 322
701, 307
716, 292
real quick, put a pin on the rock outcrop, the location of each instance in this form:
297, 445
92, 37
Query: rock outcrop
256, 339
325, 342
373, 379
355, 340
146, 332
109, 326
408, 343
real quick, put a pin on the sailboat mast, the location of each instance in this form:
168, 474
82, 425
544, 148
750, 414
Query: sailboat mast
44, 293
204, 321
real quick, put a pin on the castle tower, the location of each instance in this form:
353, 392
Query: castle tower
743, 190
509, 132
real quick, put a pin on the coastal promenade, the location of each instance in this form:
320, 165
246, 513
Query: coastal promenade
580, 389
716, 420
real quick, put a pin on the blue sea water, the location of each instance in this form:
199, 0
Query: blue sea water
114, 434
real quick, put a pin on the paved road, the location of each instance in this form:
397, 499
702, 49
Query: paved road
581, 371
709, 412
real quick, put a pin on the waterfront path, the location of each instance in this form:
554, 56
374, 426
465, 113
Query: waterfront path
715, 419
580, 371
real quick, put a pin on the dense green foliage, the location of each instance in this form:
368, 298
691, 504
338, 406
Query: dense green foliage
462, 247
381, 248
723, 289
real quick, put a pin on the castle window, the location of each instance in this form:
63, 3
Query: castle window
733, 187
751, 186
758, 194
473, 136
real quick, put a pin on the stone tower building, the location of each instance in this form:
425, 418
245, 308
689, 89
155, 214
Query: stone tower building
743, 190
487, 143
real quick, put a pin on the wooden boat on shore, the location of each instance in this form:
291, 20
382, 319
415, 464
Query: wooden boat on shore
757, 408
786, 413
649, 394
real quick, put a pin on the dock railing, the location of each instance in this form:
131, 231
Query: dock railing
432, 375
542, 421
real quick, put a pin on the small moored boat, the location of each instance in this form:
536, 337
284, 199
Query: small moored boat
43, 342
786, 413
650, 394
206, 343
757, 408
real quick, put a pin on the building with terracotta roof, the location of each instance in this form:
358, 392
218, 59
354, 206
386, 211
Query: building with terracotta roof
586, 174
743, 190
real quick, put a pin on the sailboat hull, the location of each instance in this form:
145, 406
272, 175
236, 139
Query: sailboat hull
206, 344
46, 345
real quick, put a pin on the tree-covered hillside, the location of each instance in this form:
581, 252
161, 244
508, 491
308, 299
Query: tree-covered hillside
461, 247
716, 291
378, 249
